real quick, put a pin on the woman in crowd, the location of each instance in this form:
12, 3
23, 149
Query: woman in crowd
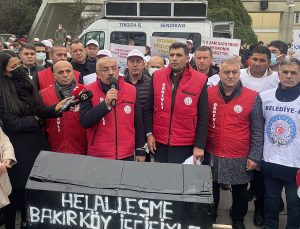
20, 112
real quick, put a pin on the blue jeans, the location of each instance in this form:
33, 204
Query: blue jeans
273, 189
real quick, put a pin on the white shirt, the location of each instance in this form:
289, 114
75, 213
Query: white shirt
88, 79
264, 83
282, 129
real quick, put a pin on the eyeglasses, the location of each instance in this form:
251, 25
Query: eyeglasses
234, 73
293, 73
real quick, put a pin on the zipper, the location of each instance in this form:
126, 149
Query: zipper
115, 114
94, 135
172, 108
222, 130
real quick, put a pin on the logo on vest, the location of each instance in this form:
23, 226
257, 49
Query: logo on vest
281, 130
127, 109
238, 108
188, 101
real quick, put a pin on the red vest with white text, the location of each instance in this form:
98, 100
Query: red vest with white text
46, 77
229, 124
176, 126
65, 133
113, 137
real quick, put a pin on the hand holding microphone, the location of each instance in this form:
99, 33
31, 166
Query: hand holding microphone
112, 94
79, 94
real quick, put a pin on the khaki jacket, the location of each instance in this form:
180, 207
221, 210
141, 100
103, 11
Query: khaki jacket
6, 152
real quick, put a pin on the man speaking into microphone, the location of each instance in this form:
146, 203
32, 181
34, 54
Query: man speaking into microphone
113, 117
65, 133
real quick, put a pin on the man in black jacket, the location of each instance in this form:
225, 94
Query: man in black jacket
203, 60
79, 61
136, 76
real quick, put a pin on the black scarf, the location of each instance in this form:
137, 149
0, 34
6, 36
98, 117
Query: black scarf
65, 91
288, 94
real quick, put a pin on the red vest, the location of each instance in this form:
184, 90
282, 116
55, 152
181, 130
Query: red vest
176, 127
65, 133
46, 78
229, 124
113, 137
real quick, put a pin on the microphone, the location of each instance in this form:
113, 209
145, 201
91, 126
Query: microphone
85, 96
113, 84
76, 91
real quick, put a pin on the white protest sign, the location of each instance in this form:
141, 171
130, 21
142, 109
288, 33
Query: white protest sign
296, 43
120, 52
222, 48
160, 45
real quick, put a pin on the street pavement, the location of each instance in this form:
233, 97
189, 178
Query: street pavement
223, 213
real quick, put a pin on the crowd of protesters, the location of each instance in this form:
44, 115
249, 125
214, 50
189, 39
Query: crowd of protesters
241, 117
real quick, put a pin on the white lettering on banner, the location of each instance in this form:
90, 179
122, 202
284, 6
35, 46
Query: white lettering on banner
96, 212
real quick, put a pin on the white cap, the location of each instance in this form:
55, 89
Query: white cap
191, 41
92, 41
47, 43
36, 39
104, 52
135, 52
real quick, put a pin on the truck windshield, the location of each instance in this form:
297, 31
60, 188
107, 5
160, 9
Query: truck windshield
128, 38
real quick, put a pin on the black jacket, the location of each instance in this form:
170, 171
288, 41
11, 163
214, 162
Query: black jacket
84, 69
142, 88
25, 133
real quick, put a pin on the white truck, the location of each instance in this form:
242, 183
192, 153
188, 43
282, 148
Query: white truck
135, 21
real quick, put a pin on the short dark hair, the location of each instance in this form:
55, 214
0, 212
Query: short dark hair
203, 49
282, 46
76, 41
289, 61
27, 46
262, 50
39, 44
178, 45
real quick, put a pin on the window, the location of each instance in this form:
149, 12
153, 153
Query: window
297, 18
98, 36
128, 38
195, 37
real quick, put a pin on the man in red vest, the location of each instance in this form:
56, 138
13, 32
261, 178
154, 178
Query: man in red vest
235, 137
113, 118
176, 114
46, 77
65, 133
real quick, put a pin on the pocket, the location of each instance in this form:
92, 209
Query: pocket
188, 93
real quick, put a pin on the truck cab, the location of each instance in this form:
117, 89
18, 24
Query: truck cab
133, 22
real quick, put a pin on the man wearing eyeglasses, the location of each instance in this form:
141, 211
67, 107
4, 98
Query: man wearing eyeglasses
113, 117
136, 76
281, 158
235, 137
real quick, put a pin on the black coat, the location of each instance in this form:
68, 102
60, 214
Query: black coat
25, 133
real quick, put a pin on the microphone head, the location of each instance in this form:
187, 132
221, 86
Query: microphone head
85, 96
113, 80
77, 90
